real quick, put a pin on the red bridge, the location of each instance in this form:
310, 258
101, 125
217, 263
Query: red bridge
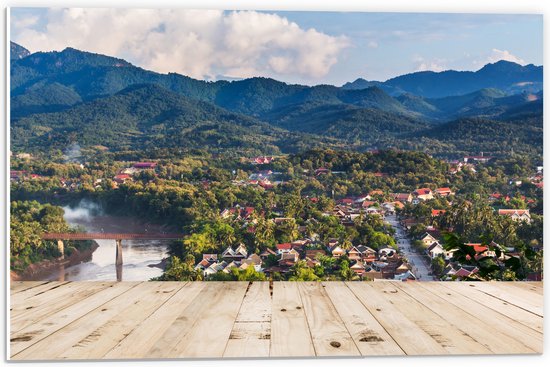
112, 236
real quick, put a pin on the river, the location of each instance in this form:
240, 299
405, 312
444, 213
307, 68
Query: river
139, 256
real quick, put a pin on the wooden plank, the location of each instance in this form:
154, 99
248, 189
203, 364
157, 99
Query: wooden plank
19, 306
20, 285
143, 337
527, 318
409, 336
524, 299
290, 336
35, 291
207, 333
40, 308
185, 319
528, 286
369, 336
328, 332
505, 325
251, 333
25, 338
106, 336
488, 335
433, 324
85, 328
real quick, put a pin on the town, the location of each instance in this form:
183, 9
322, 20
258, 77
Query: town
326, 232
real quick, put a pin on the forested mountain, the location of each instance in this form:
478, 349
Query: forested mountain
505, 75
148, 116
18, 52
61, 97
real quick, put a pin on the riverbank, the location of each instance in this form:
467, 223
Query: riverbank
47, 268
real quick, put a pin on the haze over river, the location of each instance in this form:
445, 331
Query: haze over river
139, 256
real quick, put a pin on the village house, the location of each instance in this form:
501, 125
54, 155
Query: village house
321, 171
435, 250
238, 254
518, 215
458, 271
23, 156
261, 160
252, 260
122, 178
145, 165
428, 239
358, 268
477, 158
403, 197
438, 212
354, 254
283, 248
237, 212
443, 191
368, 254
17, 175
265, 254
288, 259
335, 249
314, 253
423, 194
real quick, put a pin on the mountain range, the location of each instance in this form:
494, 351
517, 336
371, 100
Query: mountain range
98, 100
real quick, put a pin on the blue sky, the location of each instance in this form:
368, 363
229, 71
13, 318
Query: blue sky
298, 47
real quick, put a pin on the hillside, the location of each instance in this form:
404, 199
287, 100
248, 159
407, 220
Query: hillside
349, 123
147, 117
504, 75
474, 135
58, 98
18, 52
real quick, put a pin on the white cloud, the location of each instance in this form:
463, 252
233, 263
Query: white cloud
198, 43
372, 44
497, 55
25, 22
422, 64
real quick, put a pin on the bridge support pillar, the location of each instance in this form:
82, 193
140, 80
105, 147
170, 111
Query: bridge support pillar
118, 252
61, 248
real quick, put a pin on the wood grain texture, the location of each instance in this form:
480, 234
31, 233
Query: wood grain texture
370, 337
160, 320
251, 333
290, 335
145, 335
468, 321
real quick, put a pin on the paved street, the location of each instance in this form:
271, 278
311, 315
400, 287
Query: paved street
421, 268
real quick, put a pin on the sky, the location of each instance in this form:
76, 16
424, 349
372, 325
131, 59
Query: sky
296, 47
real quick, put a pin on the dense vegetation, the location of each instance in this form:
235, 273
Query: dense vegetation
75, 107
190, 193
28, 220
59, 98
503, 75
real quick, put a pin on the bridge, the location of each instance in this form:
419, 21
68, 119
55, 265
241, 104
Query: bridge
112, 236
118, 237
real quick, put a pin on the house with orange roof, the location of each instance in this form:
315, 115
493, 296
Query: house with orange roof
518, 215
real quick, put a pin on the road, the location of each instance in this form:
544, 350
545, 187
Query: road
419, 262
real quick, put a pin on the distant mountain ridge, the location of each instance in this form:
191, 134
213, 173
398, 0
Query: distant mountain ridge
256, 114
504, 75
17, 51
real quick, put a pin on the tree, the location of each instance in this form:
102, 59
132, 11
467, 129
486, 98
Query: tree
301, 272
345, 272
438, 265
178, 270
248, 274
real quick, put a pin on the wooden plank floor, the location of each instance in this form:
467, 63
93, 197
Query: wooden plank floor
157, 320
